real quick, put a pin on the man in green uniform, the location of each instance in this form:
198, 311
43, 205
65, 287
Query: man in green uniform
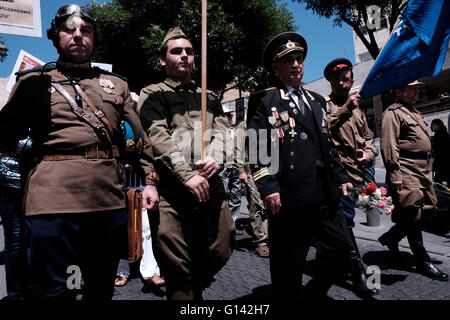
193, 229
406, 147
74, 195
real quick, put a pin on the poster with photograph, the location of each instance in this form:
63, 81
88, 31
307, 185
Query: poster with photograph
21, 17
25, 61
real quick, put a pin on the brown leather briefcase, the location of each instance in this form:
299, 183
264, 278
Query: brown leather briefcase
134, 224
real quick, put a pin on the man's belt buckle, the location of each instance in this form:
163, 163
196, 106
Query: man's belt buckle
87, 151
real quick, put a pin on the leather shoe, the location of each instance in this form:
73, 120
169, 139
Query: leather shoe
262, 251
431, 271
360, 287
391, 245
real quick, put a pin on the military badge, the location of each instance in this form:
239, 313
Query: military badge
295, 110
292, 122
275, 113
284, 116
272, 121
107, 85
303, 135
292, 105
284, 95
280, 133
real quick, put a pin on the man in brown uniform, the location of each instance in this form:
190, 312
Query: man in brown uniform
406, 147
74, 195
257, 213
347, 128
193, 229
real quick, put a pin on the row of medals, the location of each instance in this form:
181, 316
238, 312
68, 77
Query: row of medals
275, 121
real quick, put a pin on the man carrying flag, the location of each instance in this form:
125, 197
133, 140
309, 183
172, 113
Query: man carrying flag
193, 229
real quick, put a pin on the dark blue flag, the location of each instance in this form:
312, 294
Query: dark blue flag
415, 49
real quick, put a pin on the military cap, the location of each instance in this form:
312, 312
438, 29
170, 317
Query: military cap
336, 65
281, 45
415, 83
174, 32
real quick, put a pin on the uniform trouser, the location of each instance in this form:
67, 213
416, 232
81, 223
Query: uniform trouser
15, 250
257, 215
409, 227
191, 244
61, 245
290, 233
233, 188
349, 211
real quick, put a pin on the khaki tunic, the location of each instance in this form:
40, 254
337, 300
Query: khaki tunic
349, 132
171, 115
192, 240
76, 185
405, 147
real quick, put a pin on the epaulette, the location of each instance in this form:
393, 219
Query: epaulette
44, 68
260, 92
327, 98
394, 106
110, 73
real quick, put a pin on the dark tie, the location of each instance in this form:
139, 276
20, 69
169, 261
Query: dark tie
301, 104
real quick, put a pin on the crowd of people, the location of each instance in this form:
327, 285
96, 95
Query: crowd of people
63, 202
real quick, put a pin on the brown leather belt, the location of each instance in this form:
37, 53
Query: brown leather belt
91, 153
415, 155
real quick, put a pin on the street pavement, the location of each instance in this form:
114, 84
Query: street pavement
246, 276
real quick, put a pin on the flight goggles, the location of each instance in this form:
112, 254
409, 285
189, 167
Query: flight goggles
74, 9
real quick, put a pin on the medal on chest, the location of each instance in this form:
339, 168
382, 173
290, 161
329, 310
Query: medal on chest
107, 85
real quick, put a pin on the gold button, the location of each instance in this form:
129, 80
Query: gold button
291, 153
291, 167
292, 140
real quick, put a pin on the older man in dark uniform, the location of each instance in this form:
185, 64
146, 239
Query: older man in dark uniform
74, 195
300, 187
405, 147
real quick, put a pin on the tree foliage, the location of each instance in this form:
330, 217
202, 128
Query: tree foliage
131, 32
354, 13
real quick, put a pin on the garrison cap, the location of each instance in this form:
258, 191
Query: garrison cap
336, 65
283, 44
174, 32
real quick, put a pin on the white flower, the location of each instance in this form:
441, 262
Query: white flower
362, 200
378, 194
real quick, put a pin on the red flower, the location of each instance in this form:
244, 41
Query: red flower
383, 191
371, 188
364, 191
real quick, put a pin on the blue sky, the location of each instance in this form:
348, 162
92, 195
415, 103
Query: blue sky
325, 42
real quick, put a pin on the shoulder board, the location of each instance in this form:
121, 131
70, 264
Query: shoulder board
110, 73
327, 98
394, 106
258, 93
43, 68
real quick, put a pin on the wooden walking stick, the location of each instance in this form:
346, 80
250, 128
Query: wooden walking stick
204, 67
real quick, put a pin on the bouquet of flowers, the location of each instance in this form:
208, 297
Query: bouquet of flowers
370, 197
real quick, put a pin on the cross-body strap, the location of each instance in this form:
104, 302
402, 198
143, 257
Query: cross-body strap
81, 113
97, 112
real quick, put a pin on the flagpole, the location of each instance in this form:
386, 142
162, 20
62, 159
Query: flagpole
204, 67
